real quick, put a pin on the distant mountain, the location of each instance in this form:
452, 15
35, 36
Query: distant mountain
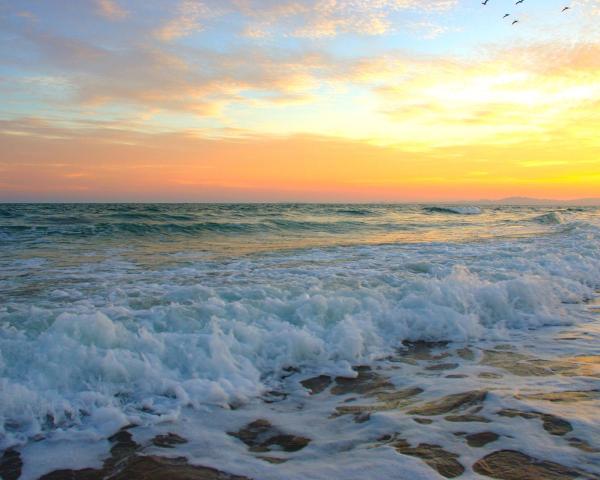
580, 202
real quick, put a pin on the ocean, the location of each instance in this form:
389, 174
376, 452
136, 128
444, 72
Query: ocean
338, 328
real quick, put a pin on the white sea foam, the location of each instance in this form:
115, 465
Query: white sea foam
138, 346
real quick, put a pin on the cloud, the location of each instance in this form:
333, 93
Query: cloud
592, 6
511, 95
428, 30
186, 22
198, 81
505, 94
501, 94
110, 9
329, 18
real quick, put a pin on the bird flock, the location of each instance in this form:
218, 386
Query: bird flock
516, 20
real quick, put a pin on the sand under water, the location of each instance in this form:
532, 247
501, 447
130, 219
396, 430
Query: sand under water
299, 341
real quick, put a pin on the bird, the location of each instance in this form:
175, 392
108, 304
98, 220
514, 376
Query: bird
506, 15
515, 21
520, 1
566, 8
485, 2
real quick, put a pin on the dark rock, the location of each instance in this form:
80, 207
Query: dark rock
582, 445
552, 424
146, 468
261, 436
10, 465
168, 441
423, 421
158, 468
511, 413
514, 465
442, 366
289, 443
491, 375
451, 403
467, 418
362, 417
481, 439
317, 384
274, 460
421, 350
565, 396
457, 375
366, 382
436, 457
84, 474
388, 400
123, 446
466, 353
356, 410
555, 425
125, 463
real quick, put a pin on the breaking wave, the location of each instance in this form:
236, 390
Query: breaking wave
550, 218
466, 210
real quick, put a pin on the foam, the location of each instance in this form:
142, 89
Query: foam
111, 342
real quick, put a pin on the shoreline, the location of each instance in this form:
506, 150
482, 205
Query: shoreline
440, 408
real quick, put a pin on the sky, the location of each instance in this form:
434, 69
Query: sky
298, 100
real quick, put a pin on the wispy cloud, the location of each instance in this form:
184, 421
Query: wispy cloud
110, 9
186, 22
329, 18
545, 91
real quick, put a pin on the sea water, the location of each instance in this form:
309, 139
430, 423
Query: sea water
183, 317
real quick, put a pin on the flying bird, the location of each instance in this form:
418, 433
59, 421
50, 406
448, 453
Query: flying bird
506, 15
520, 1
515, 21
485, 2
566, 8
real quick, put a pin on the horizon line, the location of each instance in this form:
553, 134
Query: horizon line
515, 201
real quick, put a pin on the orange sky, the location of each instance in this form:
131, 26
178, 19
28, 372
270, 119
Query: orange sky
299, 168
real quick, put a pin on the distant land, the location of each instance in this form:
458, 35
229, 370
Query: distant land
580, 202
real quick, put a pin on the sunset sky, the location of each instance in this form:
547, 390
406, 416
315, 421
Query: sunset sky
298, 100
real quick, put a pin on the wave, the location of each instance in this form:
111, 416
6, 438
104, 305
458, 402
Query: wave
7, 212
147, 343
550, 218
355, 211
466, 210
274, 226
152, 216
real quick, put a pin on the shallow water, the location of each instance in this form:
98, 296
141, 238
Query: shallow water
181, 318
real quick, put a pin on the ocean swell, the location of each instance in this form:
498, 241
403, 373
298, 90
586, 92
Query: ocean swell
462, 210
